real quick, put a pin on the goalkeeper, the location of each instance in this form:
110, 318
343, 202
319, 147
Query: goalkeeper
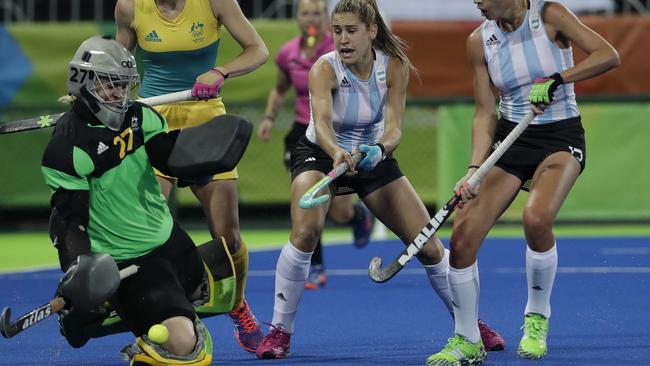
106, 199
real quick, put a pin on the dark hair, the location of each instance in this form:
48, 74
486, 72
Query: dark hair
385, 41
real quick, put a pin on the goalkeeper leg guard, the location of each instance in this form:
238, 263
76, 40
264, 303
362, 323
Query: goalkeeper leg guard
145, 352
219, 289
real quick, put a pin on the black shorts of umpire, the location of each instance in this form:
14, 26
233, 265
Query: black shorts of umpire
291, 141
166, 280
536, 143
309, 156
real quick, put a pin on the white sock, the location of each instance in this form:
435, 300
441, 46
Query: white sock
540, 273
291, 273
465, 291
437, 274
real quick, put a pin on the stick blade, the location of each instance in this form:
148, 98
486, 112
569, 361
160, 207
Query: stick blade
307, 202
4, 322
376, 273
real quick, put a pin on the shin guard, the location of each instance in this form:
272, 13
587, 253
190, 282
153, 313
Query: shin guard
219, 291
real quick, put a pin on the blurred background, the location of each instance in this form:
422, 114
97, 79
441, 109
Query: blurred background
38, 37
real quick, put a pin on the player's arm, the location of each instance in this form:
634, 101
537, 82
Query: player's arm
322, 80
273, 104
124, 17
65, 168
159, 148
254, 51
485, 116
565, 28
158, 141
398, 76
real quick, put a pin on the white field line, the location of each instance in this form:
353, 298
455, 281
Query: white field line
500, 270
625, 251
408, 272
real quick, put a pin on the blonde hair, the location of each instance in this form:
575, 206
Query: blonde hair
67, 99
385, 41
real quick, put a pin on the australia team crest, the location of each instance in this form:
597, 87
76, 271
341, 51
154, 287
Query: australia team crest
198, 31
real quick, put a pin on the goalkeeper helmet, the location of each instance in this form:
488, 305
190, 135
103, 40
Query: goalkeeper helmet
103, 75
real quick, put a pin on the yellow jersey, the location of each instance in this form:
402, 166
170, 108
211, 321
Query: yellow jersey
174, 52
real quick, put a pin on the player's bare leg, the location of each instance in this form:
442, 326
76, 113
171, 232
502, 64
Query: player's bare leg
292, 268
220, 205
551, 184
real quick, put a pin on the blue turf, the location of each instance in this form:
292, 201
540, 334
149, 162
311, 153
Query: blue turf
598, 318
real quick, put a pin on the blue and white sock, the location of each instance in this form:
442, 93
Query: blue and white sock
465, 290
291, 273
437, 275
540, 274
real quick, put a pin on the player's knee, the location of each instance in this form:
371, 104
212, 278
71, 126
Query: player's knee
233, 240
305, 238
461, 237
537, 222
432, 252
182, 336
146, 352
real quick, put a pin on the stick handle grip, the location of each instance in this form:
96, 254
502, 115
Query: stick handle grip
167, 98
128, 271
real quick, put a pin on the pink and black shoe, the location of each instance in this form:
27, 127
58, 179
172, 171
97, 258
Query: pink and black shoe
492, 341
275, 345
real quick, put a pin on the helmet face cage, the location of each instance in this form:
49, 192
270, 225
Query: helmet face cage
103, 76
116, 92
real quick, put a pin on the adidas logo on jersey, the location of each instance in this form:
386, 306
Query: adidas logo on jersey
492, 41
152, 37
310, 159
101, 148
135, 124
345, 83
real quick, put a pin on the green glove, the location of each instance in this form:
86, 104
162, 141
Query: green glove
543, 89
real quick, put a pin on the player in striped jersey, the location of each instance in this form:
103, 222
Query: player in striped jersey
523, 50
294, 60
358, 95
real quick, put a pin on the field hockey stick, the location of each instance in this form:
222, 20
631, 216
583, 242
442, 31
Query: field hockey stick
9, 329
380, 275
310, 198
50, 120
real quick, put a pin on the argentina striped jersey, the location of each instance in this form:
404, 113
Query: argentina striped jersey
358, 105
515, 59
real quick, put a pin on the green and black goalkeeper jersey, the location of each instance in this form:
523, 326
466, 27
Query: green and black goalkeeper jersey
129, 216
